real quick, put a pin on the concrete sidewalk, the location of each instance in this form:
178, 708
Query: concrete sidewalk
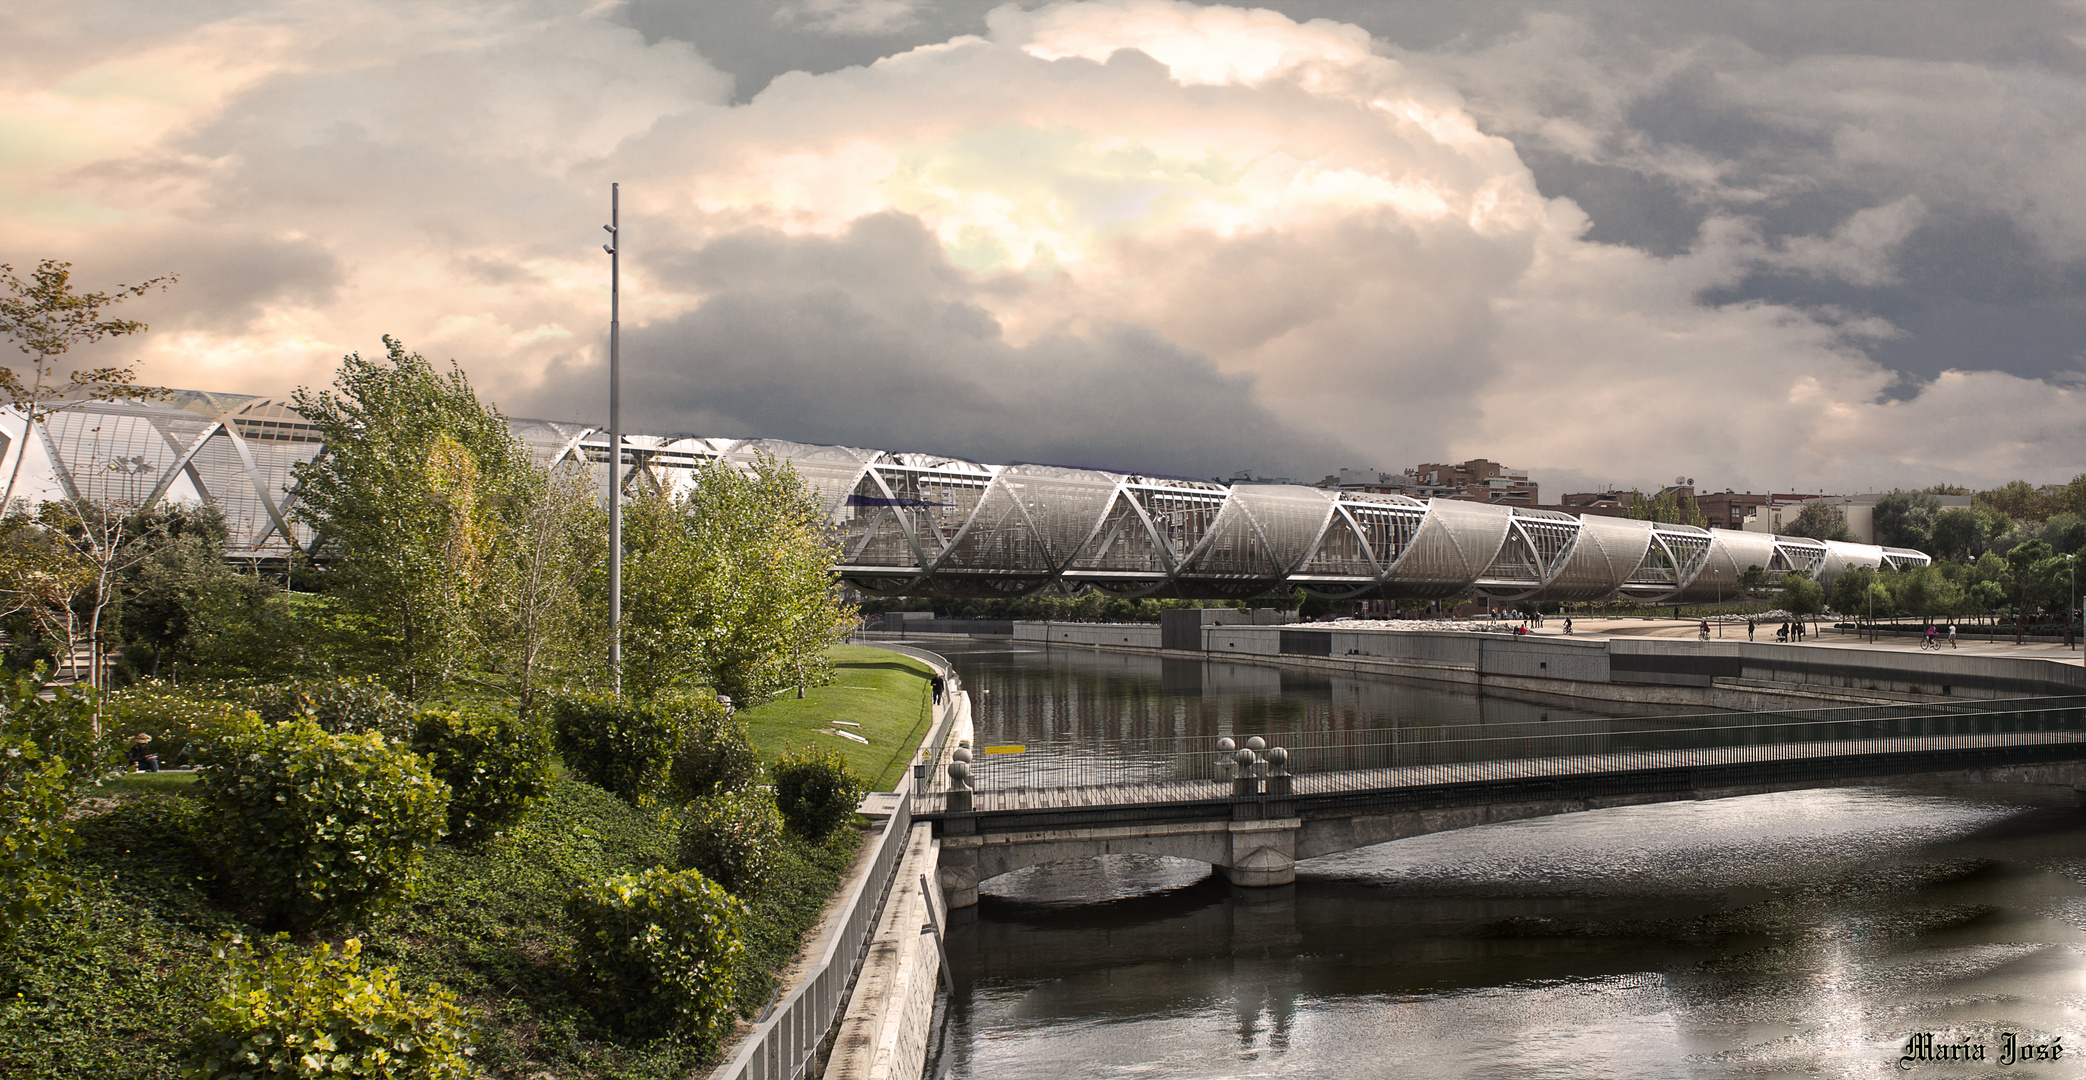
1968, 643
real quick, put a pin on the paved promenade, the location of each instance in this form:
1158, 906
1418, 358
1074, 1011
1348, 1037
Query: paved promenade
1969, 641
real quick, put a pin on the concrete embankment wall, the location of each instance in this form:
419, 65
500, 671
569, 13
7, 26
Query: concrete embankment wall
1720, 674
886, 1030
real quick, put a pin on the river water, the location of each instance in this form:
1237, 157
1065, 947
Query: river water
1797, 934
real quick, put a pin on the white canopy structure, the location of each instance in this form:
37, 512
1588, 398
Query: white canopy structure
919, 523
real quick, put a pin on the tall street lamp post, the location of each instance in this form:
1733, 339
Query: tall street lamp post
615, 436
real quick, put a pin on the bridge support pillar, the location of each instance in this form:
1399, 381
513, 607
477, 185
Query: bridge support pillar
1263, 853
957, 871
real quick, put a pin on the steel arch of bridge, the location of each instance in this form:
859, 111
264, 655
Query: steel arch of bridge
920, 523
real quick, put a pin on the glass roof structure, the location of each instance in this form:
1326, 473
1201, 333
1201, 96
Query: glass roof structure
920, 523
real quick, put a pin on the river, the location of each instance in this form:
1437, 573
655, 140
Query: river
1818, 933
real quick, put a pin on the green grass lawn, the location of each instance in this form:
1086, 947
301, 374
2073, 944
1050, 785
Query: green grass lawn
142, 782
886, 694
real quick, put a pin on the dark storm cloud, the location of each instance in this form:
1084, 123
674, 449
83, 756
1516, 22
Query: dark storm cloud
872, 339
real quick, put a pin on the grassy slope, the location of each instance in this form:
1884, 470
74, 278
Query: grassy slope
886, 693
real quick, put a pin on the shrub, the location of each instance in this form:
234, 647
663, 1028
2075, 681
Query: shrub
495, 764
180, 724
735, 839
311, 1014
617, 744
48, 752
816, 791
665, 946
322, 827
715, 754
344, 706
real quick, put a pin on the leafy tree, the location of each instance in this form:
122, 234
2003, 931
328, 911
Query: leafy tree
2028, 572
1800, 595
1929, 594
39, 578
167, 591
544, 622
419, 491
1906, 519
46, 318
1754, 582
1944, 489
1669, 507
1819, 522
2019, 500
2065, 533
108, 539
1850, 591
2071, 499
1964, 532
729, 586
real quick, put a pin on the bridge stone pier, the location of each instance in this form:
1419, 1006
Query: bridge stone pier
1252, 853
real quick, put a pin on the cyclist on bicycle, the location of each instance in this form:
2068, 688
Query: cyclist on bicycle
1704, 628
1933, 640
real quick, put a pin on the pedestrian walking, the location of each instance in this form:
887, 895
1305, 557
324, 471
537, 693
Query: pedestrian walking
1749, 629
1951, 633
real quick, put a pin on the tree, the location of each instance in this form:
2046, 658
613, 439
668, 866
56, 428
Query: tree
2028, 572
1800, 595
1850, 591
419, 490
2019, 500
1906, 519
1755, 582
1819, 522
46, 318
729, 586
39, 577
1964, 532
1669, 507
108, 539
540, 624
169, 594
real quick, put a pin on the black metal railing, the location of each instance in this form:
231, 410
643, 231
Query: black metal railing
1199, 768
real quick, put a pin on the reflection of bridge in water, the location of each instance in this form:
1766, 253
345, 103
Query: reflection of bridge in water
1254, 810
922, 523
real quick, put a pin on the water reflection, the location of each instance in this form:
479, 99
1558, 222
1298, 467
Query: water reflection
1795, 934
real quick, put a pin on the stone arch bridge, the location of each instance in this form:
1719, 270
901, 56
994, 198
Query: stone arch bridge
1255, 811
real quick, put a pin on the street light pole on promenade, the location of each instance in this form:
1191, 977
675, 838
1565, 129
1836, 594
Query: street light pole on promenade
615, 436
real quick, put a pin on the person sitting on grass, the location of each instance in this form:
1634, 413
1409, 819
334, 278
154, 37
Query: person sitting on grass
142, 759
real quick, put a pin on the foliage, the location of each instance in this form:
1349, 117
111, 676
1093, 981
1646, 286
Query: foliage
729, 586
715, 754
39, 577
420, 490
181, 724
321, 828
297, 1013
340, 706
1819, 522
1668, 506
2017, 499
1964, 532
544, 620
1850, 592
45, 318
734, 838
169, 592
1906, 519
623, 746
49, 751
1800, 595
495, 763
816, 791
1087, 606
665, 946
109, 539
1754, 581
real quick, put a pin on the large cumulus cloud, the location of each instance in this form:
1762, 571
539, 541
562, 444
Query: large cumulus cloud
1142, 234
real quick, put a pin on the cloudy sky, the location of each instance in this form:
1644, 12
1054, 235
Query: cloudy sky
1784, 245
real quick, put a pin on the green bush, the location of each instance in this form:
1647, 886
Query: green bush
343, 706
816, 791
322, 828
495, 763
48, 753
294, 1013
665, 946
180, 724
735, 839
715, 754
619, 745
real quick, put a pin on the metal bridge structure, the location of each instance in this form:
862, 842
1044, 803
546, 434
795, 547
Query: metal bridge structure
910, 523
